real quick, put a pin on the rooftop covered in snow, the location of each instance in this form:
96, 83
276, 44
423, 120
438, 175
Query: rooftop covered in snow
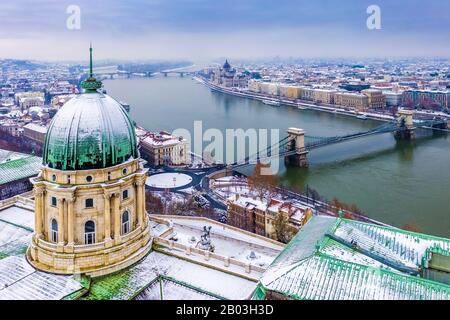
15, 166
333, 258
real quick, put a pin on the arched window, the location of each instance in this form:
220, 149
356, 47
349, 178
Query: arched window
54, 230
89, 232
125, 222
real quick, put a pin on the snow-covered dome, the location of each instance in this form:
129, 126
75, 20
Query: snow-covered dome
91, 131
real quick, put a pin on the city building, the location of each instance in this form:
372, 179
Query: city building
354, 86
295, 214
393, 99
324, 96
289, 91
59, 100
229, 77
247, 213
254, 85
260, 216
339, 259
307, 94
357, 101
11, 128
376, 98
163, 148
26, 100
35, 132
426, 98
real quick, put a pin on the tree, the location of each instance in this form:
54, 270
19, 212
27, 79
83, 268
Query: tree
154, 204
263, 184
282, 229
349, 209
412, 226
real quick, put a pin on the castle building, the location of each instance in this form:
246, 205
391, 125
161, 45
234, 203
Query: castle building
89, 196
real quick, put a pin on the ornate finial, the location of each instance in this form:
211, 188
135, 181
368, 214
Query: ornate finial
91, 84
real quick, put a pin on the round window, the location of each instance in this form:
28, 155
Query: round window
89, 178
125, 171
54, 177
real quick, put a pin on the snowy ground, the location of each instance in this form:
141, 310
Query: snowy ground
18, 216
168, 180
227, 241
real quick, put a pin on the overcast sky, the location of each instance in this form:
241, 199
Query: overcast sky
204, 29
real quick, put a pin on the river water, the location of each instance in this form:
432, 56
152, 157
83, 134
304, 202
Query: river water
398, 183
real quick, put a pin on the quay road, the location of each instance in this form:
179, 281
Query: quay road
330, 108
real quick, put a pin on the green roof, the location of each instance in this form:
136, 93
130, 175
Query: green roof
326, 278
21, 166
91, 131
333, 258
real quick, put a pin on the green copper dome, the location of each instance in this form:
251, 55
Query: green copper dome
91, 131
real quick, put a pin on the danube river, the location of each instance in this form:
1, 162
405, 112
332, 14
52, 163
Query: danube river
398, 183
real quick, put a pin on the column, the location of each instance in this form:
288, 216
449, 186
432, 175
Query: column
144, 214
38, 211
107, 217
70, 222
61, 221
116, 212
139, 213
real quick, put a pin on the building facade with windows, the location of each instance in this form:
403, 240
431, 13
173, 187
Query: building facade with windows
426, 98
260, 215
376, 98
357, 101
163, 148
26, 100
35, 132
89, 196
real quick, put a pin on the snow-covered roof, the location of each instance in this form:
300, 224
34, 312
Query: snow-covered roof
164, 288
360, 260
249, 203
161, 139
36, 127
20, 281
323, 277
131, 282
18, 166
396, 245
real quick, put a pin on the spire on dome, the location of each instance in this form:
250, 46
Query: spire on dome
91, 73
91, 84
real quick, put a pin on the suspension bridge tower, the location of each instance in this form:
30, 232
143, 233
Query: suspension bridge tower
296, 138
405, 125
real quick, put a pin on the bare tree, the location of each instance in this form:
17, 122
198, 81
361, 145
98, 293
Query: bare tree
264, 185
283, 230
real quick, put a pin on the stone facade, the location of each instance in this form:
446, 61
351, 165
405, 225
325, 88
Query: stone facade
357, 101
164, 149
376, 98
258, 215
90, 221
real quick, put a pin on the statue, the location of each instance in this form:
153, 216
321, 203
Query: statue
205, 239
